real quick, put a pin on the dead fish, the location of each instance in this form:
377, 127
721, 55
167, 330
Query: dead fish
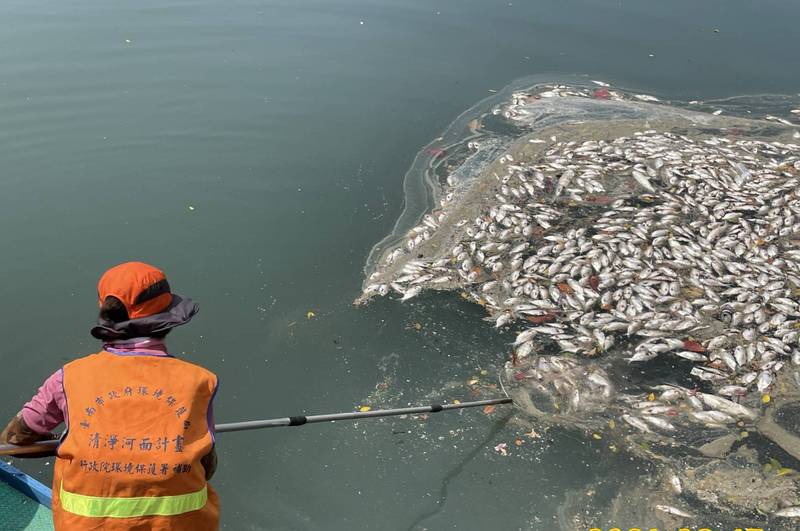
789, 512
675, 482
673, 511
658, 422
712, 417
411, 292
643, 180
706, 247
726, 406
503, 320
636, 423
563, 181
692, 356
764, 381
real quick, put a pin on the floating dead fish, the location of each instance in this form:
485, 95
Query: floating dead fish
658, 248
673, 511
675, 482
789, 512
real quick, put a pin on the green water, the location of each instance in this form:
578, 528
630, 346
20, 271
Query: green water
287, 126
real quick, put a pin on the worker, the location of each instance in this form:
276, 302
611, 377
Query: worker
138, 449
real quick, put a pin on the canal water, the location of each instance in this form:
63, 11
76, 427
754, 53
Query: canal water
256, 152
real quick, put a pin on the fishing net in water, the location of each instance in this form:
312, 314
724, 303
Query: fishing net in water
647, 256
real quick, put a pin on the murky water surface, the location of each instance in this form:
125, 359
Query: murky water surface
257, 152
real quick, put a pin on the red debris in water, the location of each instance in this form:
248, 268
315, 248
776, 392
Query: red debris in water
437, 152
538, 319
599, 199
563, 287
519, 376
601, 93
694, 346
594, 282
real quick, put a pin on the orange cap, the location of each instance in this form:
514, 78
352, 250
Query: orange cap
142, 288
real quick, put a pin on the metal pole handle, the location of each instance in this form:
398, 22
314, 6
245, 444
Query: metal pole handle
299, 420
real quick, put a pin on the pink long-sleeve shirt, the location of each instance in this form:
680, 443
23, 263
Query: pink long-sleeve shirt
48, 408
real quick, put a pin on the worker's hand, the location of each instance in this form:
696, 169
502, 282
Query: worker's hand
17, 432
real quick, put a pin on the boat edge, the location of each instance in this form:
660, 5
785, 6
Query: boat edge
27, 485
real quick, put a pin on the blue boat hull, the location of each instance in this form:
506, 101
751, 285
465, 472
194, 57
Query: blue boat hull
24, 501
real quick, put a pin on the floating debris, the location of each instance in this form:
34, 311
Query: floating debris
502, 449
533, 434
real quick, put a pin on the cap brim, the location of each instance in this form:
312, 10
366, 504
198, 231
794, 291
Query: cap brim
179, 312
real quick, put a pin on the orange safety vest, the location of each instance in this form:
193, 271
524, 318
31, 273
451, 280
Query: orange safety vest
137, 428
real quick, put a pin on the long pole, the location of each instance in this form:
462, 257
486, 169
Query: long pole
48, 447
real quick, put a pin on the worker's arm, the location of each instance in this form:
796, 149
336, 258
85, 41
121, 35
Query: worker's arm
209, 462
39, 417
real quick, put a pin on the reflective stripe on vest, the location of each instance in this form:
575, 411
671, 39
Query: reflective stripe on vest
99, 507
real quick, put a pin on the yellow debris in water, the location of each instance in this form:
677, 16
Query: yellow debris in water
533, 434
766, 399
310, 315
784, 471
484, 372
456, 401
744, 435
364, 409
651, 397
693, 292
473, 381
612, 424
597, 436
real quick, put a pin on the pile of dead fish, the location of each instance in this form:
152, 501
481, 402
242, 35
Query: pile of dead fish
652, 247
